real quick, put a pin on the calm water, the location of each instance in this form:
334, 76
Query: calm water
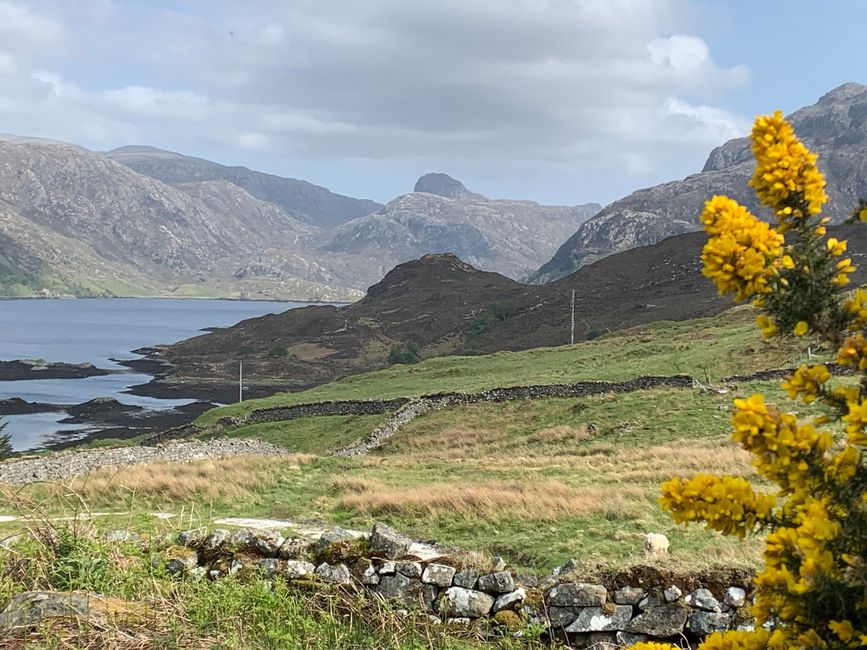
96, 330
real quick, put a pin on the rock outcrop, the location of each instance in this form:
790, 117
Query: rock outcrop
835, 127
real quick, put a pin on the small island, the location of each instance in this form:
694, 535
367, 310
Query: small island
25, 369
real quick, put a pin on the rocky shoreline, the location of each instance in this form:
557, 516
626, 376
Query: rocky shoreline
28, 369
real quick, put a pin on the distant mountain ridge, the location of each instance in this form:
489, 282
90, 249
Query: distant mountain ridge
305, 201
145, 221
443, 216
835, 127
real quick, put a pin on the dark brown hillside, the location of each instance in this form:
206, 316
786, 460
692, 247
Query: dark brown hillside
447, 307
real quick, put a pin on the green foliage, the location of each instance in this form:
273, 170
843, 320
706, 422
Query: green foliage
5, 442
406, 354
493, 314
593, 334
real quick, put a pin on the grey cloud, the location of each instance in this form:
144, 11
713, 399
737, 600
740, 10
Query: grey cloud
559, 82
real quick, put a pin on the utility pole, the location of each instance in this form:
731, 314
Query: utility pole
573, 317
240, 381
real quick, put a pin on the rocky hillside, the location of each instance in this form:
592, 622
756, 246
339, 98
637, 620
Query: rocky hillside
442, 216
444, 306
142, 221
310, 203
835, 127
77, 222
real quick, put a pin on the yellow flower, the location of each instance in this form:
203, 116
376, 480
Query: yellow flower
807, 382
801, 328
853, 352
742, 252
856, 421
835, 247
844, 268
862, 214
767, 326
843, 630
786, 178
856, 307
727, 504
737, 640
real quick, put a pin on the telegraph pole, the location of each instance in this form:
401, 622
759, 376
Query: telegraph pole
573, 317
240, 381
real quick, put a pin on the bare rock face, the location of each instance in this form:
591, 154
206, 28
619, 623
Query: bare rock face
835, 127
443, 216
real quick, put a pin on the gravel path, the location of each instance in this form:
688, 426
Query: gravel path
68, 464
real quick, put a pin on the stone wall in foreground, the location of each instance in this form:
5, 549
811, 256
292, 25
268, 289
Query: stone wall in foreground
444, 589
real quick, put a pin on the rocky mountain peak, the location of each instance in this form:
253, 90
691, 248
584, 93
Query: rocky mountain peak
842, 93
442, 185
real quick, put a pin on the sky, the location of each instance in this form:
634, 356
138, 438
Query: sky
557, 101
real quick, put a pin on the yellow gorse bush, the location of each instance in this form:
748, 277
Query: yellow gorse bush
812, 590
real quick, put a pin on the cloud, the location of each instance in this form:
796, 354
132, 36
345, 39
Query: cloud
540, 82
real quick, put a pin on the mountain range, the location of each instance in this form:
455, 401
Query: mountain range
835, 127
143, 221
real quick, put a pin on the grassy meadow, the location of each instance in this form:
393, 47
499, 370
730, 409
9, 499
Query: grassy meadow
536, 481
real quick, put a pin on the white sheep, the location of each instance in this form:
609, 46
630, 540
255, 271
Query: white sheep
655, 544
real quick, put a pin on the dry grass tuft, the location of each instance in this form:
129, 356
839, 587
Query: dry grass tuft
560, 434
545, 501
225, 479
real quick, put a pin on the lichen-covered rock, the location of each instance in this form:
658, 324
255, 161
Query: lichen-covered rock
268, 566
218, 539
409, 569
663, 621
370, 577
465, 603
735, 597
653, 599
388, 568
241, 540
338, 574
267, 542
389, 543
703, 599
438, 574
180, 559
672, 594
296, 569
562, 616
629, 595
294, 548
510, 600
331, 537
190, 538
409, 591
466, 578
596, 619
704, 623
120, 537
500, 582
577, 594
627, 639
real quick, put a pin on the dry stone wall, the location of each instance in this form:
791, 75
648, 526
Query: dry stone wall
445, 590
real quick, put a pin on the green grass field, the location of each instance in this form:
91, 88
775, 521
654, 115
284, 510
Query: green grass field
716, 347
536, 481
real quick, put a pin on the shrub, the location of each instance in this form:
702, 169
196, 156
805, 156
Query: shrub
812, 591
5, 442
408, 353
